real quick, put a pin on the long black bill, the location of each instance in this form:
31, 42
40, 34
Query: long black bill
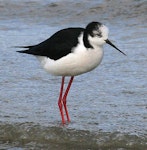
108, 42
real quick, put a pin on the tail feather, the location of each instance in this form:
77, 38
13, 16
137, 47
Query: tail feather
25, 51
24, 46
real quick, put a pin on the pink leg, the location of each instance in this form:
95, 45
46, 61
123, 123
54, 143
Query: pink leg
60, 103
65, 96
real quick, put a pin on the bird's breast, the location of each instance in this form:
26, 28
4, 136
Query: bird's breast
89, 59
79, 61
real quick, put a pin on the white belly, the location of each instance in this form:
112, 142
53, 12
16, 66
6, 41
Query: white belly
82, 60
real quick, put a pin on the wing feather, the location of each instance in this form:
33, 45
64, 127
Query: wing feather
57, 46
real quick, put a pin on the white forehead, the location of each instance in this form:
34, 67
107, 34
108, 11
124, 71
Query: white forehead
105, 31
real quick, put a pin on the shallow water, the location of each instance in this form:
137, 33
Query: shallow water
108, 106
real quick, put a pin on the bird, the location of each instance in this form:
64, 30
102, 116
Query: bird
71, 52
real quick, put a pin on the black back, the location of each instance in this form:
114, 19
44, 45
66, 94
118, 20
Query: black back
58, 45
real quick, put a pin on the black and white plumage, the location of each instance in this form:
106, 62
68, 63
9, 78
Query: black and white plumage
71, 52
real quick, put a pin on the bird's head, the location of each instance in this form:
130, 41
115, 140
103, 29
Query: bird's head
96, 34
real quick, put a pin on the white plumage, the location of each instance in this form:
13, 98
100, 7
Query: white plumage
71, 52
81, 59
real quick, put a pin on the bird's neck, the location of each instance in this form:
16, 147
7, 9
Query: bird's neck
86, 41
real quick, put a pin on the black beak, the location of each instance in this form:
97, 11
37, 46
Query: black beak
108, 42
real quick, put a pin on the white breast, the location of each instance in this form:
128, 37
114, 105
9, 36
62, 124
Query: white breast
81, 60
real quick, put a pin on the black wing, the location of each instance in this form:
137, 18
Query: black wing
57, 46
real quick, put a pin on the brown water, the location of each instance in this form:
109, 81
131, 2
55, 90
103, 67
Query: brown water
108, 106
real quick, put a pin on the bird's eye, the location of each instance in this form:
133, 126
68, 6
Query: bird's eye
96, 33
99, 34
